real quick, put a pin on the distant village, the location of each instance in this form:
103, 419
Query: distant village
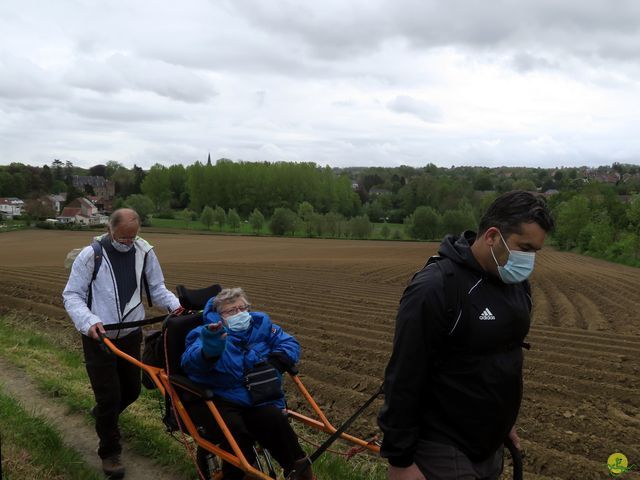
87, 210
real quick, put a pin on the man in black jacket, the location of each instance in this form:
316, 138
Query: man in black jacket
453, 385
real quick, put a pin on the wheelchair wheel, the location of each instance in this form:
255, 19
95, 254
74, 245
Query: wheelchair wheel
209, 464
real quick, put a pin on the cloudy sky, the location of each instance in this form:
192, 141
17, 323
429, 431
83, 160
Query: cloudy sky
338, 82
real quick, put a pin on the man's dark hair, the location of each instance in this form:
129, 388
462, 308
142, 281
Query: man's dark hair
510, 210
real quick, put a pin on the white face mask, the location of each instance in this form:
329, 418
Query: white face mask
121, 247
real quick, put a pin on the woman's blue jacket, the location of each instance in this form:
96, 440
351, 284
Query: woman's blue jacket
225, 374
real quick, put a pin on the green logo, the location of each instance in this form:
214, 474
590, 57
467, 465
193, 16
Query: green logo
618, 464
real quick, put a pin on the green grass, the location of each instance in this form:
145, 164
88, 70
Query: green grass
12, 225
32, 449
396, 230
58, 369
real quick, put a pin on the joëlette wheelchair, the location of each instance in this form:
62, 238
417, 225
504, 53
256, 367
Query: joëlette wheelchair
190, 408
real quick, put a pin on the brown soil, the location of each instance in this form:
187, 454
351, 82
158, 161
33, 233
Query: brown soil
582, 376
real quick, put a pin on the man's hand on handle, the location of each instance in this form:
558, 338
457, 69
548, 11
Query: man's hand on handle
513, 435
411, 472
95, 328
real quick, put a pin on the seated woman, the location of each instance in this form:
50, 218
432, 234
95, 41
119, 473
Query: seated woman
230, 344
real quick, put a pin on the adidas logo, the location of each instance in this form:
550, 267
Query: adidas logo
487, 315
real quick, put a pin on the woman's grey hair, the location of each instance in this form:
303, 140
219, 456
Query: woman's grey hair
228, 295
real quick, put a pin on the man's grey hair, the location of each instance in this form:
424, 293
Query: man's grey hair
122, 214
228, 295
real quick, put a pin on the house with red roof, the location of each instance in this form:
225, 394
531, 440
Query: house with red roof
81, 210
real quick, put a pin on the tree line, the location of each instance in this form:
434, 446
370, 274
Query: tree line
593, 217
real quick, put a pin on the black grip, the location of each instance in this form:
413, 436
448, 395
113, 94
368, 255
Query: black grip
516, 457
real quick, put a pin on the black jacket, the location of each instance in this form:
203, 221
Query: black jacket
455, 378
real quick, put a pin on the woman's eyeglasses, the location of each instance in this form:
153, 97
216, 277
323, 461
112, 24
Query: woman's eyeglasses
234, 310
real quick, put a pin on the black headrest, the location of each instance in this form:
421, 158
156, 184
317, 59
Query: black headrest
195, 299
175, 330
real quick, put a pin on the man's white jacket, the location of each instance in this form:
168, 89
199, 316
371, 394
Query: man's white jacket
105, 304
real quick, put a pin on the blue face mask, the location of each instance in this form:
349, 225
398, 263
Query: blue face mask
519, 266
121, 247
238, 322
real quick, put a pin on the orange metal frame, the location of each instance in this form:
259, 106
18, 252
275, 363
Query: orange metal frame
237, 458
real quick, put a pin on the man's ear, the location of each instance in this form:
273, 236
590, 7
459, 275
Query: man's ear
491, 236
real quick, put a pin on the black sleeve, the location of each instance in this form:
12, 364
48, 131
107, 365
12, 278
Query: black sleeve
420, 326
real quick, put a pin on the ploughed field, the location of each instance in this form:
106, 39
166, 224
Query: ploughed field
338, 297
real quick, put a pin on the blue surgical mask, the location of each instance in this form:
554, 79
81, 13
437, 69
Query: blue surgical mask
519, 266
239, 322
121, 247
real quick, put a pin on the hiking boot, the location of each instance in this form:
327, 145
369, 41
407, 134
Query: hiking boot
112, 467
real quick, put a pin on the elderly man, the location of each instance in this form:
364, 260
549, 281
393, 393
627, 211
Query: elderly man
453, 385
110, 295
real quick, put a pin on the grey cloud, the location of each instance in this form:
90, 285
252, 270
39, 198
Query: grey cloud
22, 79
421, 109
525, 62
346, 29
120, 72
122, 111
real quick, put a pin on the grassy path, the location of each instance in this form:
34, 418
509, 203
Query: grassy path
73, 427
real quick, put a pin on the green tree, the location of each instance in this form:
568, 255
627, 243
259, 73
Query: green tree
483, 182
233, 219
112, 167
207, 216
178, 186
282, 221
58, 186
633, 214
187, 216
571, 217
219, 217
456, 221
57, 169
141, 204
597, 235
385, 231
424, 223
524, 184
316, 225
124, 181
333, 222
72, 193
375, 210
305, 213
156, 185
256, 220
360, 227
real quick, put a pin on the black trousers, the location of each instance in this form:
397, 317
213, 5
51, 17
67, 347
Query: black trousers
116, 385
268, 425
438, 461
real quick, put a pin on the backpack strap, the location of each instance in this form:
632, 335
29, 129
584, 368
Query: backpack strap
97, 261
451, 290
145, 282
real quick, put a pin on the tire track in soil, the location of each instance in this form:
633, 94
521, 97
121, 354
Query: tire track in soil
76, 433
